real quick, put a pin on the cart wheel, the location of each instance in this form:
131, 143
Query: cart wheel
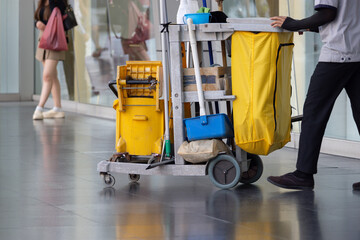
224, 171
109, 179
134, 177
255, 170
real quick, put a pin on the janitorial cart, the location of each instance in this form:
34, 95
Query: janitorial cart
256, 125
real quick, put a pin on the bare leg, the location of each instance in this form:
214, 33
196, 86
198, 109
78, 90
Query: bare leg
138, 54
96, 36
49, 77
55, 92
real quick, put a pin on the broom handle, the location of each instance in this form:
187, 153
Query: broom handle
223, 53
223, 49
196, 67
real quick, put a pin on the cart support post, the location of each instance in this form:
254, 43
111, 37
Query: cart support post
165, 61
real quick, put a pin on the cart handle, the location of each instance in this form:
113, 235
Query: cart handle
113, 89
297, 118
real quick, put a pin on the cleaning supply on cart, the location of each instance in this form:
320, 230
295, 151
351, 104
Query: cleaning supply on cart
139, 109
198, 18
203, 10
261, 70
185, 7
202, 150
208, 126
205, 126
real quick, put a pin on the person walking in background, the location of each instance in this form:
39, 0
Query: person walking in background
338, 69
49, 59
132, 19
98, 25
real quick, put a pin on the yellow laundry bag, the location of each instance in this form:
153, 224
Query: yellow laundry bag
261, 71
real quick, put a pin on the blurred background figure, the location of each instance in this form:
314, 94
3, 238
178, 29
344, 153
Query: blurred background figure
98, 25
250, 8
129, 21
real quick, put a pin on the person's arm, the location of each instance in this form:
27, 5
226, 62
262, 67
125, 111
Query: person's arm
40, 25
321, 17
39, 20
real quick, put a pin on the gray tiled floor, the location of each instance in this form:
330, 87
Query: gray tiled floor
50, 190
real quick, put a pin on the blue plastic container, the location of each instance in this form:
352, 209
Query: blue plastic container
208, 127
198, 18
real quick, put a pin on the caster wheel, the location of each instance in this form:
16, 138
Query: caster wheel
134, 177
109, 180
224, 171
255, 170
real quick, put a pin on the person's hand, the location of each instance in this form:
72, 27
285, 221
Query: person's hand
277, 21
40, 25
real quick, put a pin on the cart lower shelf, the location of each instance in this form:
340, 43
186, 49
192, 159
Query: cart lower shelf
225, 171
140, 168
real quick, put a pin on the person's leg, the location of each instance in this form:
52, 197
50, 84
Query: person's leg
55, 91
51, 84
353, 90
138, 52
56, 111
326, 84
49, 74
48, 78
38, 113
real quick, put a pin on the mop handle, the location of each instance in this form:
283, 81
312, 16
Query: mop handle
196, 67
204, 3
211, 58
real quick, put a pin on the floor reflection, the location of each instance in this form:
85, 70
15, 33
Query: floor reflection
49, 133
299, 209
245, 212
51, 190
136, 217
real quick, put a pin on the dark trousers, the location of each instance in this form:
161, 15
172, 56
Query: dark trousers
326, 83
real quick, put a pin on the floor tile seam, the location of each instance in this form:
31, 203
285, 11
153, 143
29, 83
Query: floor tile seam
332, 188
328, 156
66, 211
357, 173
44, 202
346, 166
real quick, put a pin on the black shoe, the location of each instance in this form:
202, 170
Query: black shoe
356, 186
290, 181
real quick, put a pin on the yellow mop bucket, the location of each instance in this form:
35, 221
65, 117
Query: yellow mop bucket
139, 111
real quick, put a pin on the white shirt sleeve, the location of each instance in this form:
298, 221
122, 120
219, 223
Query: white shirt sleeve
326, 4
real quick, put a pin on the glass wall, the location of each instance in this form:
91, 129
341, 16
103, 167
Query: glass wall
254, 8
109, 32
9, 46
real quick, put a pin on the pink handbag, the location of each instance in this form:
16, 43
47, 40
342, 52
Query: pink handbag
143, 25
54, 37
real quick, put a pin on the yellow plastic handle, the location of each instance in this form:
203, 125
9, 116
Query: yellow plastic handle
140, 118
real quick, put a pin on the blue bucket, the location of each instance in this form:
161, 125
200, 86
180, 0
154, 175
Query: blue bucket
208, 127
198, 18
